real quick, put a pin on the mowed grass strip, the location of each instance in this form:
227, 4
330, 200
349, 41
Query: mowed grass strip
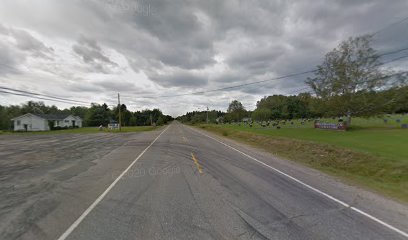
376, 158
86, 130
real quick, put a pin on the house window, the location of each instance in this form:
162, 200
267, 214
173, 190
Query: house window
18, 122
67, 121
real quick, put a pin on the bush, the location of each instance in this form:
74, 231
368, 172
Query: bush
59, 128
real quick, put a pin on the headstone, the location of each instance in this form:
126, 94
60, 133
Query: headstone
398, 120
404, 126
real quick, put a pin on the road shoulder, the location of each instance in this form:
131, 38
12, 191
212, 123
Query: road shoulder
385, 209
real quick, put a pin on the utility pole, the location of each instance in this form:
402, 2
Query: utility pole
120, 115
207, 114
151, 120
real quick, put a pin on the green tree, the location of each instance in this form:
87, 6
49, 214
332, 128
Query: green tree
78, 111
262, 114
235, 111
98, 115
160, 121
351, 67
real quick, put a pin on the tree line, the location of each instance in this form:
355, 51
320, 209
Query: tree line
351, 81
95, 115
304, 105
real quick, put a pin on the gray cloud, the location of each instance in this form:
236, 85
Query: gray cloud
256, 60
84, 87
8, 60
16, 45
180, 79
27, 42
91, 53
152, 47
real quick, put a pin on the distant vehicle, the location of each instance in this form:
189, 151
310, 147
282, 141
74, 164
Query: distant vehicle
113, 125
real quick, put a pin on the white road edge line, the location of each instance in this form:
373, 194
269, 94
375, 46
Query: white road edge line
312, 188
99, 199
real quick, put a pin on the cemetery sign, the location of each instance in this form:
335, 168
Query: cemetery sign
331, 126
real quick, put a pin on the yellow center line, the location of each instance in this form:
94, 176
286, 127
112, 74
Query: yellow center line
196, 163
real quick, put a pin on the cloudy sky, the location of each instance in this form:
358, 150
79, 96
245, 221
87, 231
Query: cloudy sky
149, 51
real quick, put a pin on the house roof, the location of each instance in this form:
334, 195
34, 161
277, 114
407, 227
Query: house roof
51, 117
24, 115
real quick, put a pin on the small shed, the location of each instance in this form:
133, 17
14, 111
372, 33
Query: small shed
112, 125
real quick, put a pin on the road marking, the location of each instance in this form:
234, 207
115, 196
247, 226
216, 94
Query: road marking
184, 139
99, 199
405, 234
196, 163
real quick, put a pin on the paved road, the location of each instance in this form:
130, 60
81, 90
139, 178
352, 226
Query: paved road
186, 185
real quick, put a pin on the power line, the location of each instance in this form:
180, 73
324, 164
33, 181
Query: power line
71, 101
231, 87
392, 52
43, 95
41, 98
65, 100
389, 25
300, 90
294, 74
395, 59
376, 56
392, 100
272, 79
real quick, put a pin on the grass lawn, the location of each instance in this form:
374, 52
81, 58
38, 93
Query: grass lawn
373, 156
89, 130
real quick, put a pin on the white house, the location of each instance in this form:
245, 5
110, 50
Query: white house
42, 122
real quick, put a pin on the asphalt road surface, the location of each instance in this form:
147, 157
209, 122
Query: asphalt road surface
176, 183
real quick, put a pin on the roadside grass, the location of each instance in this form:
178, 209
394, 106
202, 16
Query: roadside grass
375, 157
87, 130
